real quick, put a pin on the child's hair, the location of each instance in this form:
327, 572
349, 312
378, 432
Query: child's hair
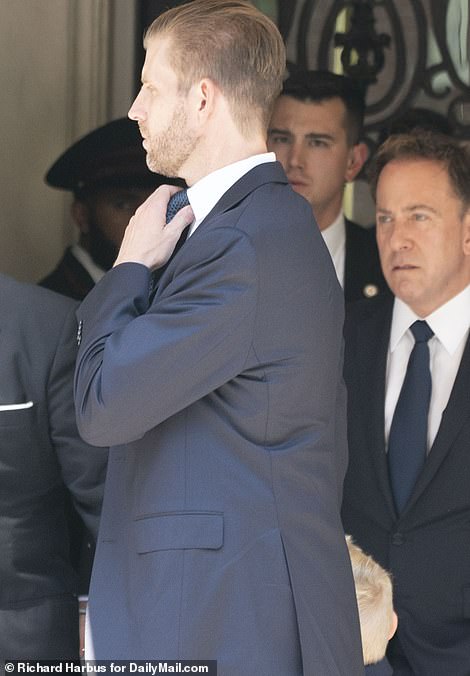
375, 602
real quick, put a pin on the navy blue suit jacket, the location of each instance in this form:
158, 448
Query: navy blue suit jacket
224, 403
381, 668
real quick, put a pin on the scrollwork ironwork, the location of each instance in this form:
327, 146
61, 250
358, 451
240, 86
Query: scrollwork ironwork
391, 40
363, 53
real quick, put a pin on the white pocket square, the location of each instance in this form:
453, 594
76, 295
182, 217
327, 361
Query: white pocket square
16, 407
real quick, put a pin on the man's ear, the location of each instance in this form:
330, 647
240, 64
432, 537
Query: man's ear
358, 155
466, 232
203, 97
81, 216
394, 626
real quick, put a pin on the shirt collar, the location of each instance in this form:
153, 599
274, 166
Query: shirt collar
83, 257
335, 234
450, 322
204, 195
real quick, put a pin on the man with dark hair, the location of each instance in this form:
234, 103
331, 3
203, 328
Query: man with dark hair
221, 393
108, 176
407, 370
315, 131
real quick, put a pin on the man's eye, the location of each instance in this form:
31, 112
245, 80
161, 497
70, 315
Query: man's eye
318, 143
278, 139
383, 219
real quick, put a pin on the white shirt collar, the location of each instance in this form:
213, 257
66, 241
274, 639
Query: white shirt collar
204, 195
335, 239
83, 257
335, 235
450, 322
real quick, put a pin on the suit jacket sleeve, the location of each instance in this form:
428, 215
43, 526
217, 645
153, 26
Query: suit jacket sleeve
138, 365
82, 466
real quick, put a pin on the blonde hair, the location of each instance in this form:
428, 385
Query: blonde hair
375, 603
233, 44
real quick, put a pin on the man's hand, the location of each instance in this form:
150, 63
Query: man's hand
148, 239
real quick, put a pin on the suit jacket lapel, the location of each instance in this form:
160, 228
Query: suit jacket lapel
454, 417
268, 172
351, 281
373, 346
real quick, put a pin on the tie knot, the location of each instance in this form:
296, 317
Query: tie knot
421, 331
177, 202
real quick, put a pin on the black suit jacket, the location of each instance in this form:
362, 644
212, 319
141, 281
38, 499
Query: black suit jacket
427, 548
40, 454
69, 278
363, 276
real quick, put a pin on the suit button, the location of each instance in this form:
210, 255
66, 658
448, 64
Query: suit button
79, 332
398, 539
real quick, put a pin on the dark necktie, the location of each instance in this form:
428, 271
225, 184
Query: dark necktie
407, 443
176, 202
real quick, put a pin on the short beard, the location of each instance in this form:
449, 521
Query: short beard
102, 250
168, 151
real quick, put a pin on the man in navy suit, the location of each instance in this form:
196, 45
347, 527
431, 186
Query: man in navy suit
221, 395
411, 511
315, 131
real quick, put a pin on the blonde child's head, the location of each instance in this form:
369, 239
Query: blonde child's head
375, 603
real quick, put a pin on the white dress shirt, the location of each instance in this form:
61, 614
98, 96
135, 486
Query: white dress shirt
83, 257
335, 240
451, 325
204, 195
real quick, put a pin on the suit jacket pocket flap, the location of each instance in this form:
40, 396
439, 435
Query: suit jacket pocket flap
184, 530
16, 407
17, 415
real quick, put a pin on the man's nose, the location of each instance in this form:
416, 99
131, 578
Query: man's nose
296, 156
137, 110
399, 236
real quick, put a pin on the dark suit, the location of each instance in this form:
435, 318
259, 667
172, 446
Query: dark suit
40, 451
427, 548
381, 668
69, 278
363, 276
221, 536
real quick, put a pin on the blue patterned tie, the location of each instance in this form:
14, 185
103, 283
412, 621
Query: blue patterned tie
407, 443
177, 202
